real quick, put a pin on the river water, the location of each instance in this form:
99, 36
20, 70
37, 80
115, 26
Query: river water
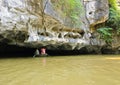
65, 70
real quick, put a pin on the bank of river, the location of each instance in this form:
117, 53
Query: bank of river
65, 70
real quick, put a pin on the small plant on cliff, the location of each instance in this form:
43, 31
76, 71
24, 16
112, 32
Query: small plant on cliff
113, 4
72, 9
75, 11
105, 34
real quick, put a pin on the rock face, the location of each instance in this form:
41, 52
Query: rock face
96, 11
29, 23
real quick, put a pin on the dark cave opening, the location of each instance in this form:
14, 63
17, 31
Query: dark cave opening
17, 51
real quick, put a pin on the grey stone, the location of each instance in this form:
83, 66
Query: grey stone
21, 24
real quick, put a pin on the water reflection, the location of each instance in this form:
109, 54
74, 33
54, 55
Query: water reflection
44, 61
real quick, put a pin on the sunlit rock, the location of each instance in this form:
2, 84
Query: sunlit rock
24, 23
97, 11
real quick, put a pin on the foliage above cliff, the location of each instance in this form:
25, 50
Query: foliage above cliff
114, 16
113, 4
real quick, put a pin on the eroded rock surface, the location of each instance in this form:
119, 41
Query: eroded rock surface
22, 23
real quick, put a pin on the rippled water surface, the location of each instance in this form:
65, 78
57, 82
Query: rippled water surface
65, 70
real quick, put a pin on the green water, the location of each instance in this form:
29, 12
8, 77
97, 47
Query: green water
65, 70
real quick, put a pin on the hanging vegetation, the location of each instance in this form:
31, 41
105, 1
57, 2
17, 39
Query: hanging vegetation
105, 34
114, 16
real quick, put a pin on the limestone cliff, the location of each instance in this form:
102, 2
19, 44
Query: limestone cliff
97, 11
37, 23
